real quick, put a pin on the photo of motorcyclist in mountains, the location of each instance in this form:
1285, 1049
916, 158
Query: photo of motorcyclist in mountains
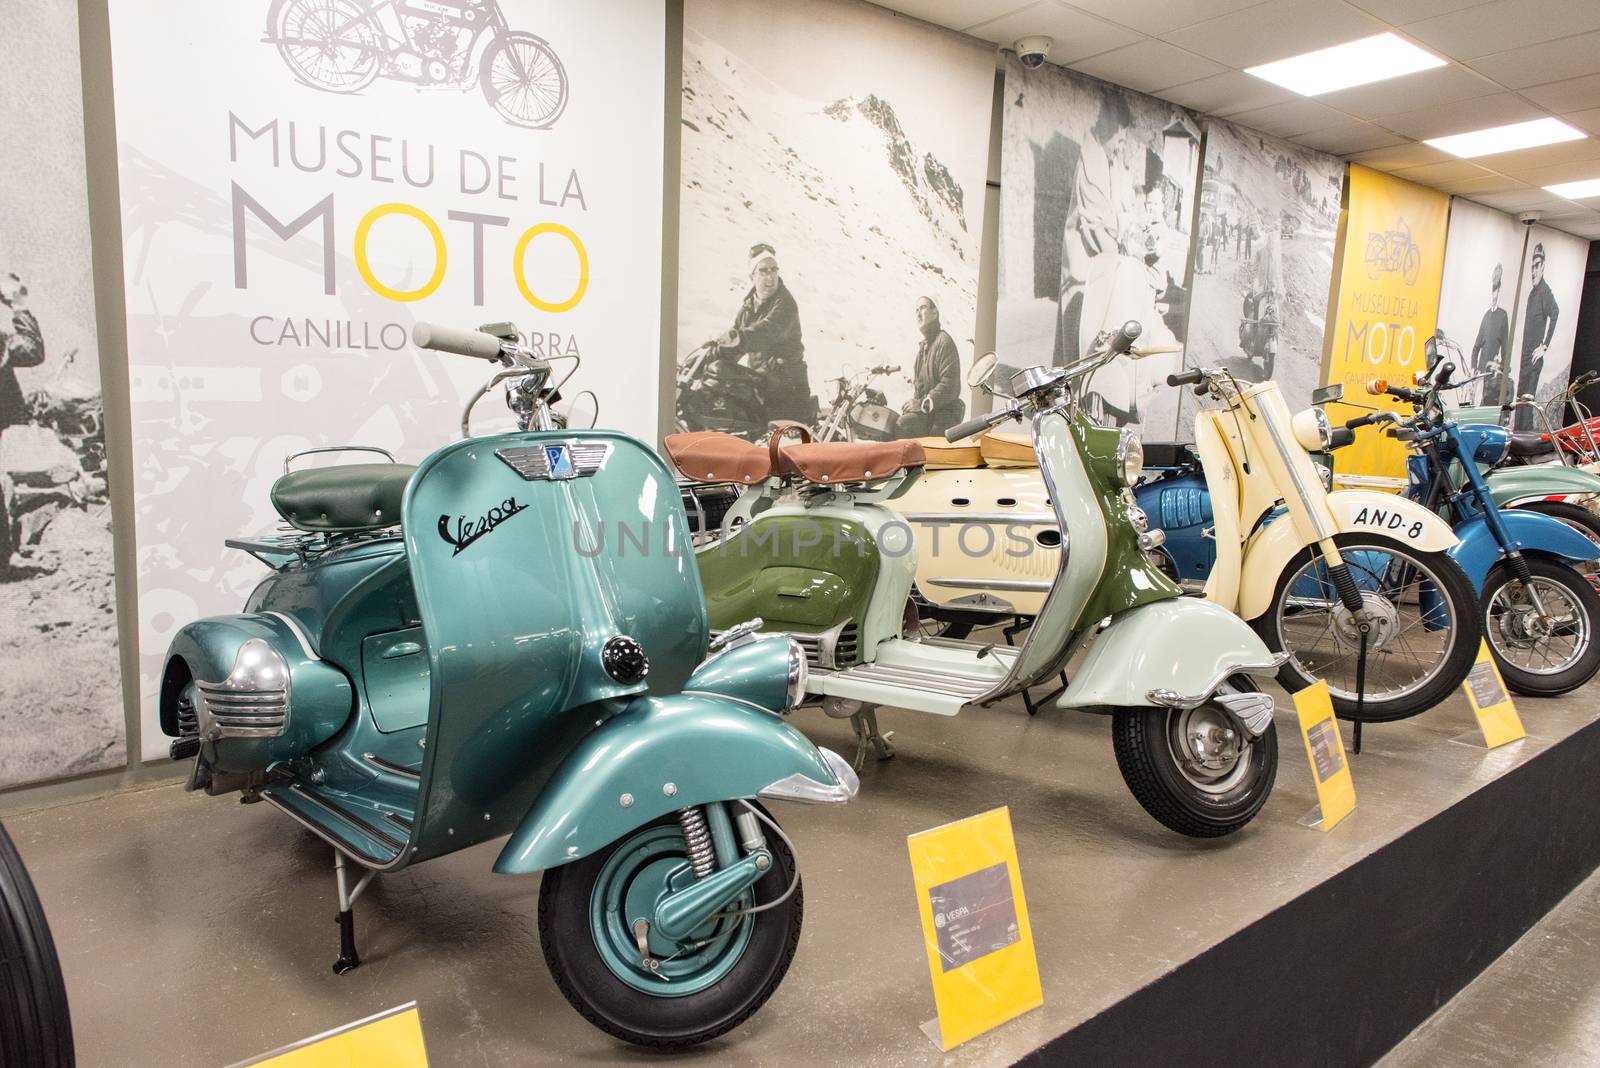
935, 403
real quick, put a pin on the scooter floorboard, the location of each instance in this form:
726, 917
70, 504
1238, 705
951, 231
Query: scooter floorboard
373, 835
934, 675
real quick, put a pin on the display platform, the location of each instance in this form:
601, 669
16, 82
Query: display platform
196, 931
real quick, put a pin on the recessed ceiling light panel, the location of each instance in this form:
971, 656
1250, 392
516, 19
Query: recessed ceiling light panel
1371, 59
1584, 190
1510, 138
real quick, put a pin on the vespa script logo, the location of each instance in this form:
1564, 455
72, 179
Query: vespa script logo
462, 532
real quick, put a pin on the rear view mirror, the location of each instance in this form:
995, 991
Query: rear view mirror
1327, 394
982, 369
582, 412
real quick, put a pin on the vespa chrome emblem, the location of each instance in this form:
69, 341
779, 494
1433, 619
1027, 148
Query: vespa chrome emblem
556, 460
462, 532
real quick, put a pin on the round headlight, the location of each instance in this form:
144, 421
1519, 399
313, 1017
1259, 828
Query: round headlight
1130, 457
1312, 430
799, 673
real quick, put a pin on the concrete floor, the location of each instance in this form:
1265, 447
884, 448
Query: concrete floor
1538, 1004
196, 931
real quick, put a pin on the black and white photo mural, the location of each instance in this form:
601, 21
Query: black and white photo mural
1264, 245
1545, 326
61, 685
1096, 202
1478, 298
831, 209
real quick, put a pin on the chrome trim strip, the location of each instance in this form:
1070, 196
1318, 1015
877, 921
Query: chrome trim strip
1173, 699
979, 517
391, 767
808, 791
343, 847
299, 635
376, 833
1035, 585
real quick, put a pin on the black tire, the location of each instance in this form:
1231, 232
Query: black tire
1456, 590
1546, 572
35, 1027
1578, 518
1143, 739
665, 1023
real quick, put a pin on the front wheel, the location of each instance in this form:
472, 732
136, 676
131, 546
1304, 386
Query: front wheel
524, 80
698, 989
1542, 654
1196, 770
1422, 618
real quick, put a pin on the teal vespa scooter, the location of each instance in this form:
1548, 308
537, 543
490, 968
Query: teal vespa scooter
439, 658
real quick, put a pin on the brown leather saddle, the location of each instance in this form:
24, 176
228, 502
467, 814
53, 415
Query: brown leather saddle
711, 456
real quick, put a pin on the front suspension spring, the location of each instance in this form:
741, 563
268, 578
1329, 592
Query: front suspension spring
1345, 583
702, 858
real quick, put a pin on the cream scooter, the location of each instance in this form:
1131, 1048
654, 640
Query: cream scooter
1354, 585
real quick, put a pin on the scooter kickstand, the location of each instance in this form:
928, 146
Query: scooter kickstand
349, 959
865, 723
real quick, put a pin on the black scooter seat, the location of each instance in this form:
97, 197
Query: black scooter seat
342, 499
1531, 444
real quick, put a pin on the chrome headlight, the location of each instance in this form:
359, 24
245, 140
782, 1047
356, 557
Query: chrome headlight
1130, 457
799, 673
1312, 430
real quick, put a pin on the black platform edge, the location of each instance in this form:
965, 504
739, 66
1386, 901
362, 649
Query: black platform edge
1340, 974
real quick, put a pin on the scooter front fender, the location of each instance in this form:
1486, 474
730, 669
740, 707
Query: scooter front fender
661, 755
1173, 652
1355, 512
1532, 532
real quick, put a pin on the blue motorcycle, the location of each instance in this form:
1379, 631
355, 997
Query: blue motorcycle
1539, 612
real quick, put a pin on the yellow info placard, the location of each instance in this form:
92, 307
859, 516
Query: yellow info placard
1336, 790
1486, 692
392, 1039
974, 925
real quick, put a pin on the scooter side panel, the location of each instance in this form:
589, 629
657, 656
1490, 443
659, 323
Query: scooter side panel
1139, 653
521, 581
1532, 532
661, 755
1519, 485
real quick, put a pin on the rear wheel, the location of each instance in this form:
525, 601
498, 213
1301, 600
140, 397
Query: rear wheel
1548, 653
700, 988
35, 1028
1423, 627
1196, 770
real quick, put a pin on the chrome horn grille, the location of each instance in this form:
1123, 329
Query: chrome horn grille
252, 702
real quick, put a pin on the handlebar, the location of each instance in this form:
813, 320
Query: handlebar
1185, 378
440, 338
1363, 420
1126, 335
1340, 436
972, 426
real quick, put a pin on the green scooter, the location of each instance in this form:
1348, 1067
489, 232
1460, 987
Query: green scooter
440, 656
814, 550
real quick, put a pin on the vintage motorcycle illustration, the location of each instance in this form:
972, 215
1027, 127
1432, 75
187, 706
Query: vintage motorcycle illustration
342, 46
1392, 251
818, 560
858, 411
437, 659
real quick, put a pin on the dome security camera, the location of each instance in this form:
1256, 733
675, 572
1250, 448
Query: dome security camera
1033, 50
1528, 218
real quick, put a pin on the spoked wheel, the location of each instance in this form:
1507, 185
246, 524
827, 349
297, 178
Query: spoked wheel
1196, 769
1580, 519
524, 80
699, 988
1423, 627
1542, 654
328, 44
35, 1028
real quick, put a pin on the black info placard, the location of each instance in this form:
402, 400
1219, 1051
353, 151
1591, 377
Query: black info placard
974, 915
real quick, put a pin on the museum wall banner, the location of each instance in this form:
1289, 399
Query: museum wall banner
302, 180
1546, 324
1096, 204
1269, 219
61, 686
1479, 295
831, 216
1387, 303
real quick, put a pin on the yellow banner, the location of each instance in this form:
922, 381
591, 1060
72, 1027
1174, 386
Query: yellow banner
392, 1039
1486, 692
1387, 304
975, 925
1330, 771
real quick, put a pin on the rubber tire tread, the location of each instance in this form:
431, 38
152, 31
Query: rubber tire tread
1529, 685
1137, 734
569, 947
1442, 686
35, 1025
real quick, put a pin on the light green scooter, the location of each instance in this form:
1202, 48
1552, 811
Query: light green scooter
813, 550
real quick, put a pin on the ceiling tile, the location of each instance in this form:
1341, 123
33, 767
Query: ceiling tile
1410, 154
1459, 116
1520, 200
957, 14
1490, 183
1574, 94
1226, 94
1505, 24
1424, 89
1517, 68
1584, 120
1343, 140
1148, 65
1077, 35
1449, 171
1400, 12
1275, 30
1294, 118
1544, 156
1160, 16
1584, 229
1555, 173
